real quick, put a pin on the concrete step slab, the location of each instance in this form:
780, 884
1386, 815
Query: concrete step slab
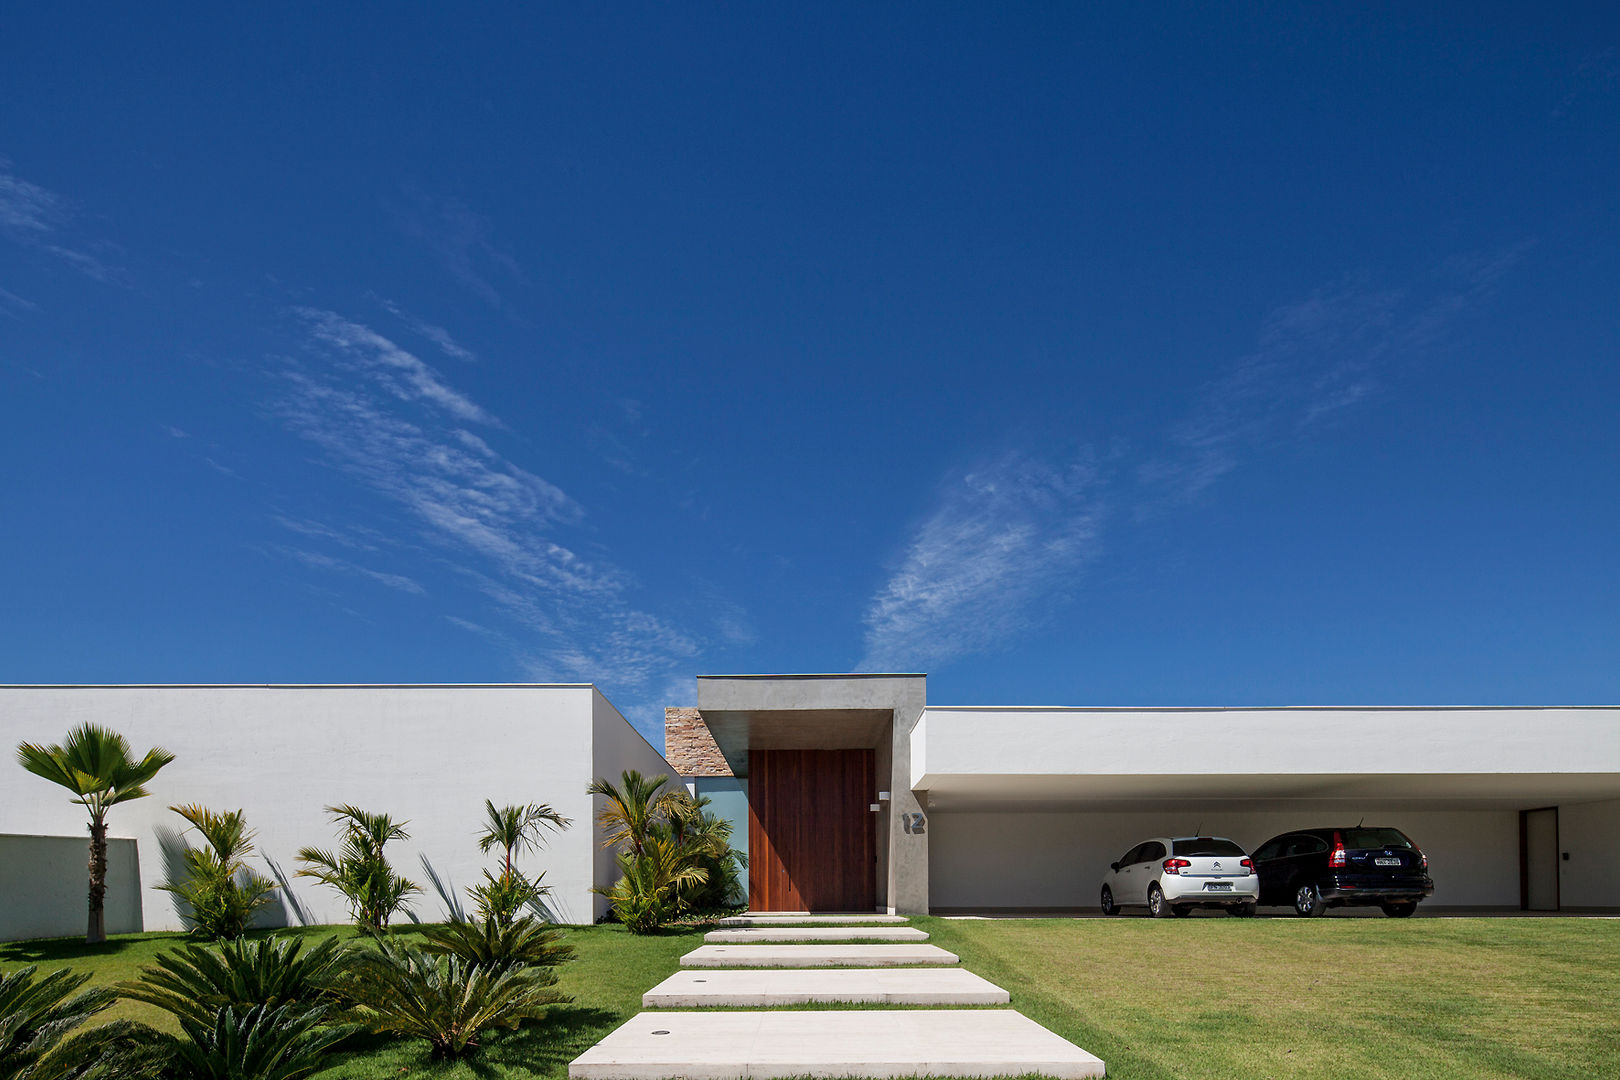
761, 934
704, 988
832, 1043
801, 956
804, 918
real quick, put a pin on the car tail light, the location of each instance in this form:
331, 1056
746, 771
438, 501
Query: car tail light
1247, 864
1423, 861
1338, 860
1174, 866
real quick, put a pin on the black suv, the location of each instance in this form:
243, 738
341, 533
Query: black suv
1314, 869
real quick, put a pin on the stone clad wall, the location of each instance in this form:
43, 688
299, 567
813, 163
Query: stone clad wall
689, 747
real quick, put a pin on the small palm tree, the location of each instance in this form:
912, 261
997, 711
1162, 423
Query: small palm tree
95, 764
646, 896
218, 889
633, 805
359, 869
515, 829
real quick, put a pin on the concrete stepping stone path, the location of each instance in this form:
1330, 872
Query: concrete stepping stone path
832, 1043
804, 918
799, 956
704, 988
761, 934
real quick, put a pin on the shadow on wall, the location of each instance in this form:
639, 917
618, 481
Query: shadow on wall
172, 847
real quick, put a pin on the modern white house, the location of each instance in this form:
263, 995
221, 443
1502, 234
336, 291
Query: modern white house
428, 755
848, 791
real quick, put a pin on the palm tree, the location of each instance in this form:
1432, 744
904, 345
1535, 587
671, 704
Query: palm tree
632, 807
359, 869
515, 829
94, 763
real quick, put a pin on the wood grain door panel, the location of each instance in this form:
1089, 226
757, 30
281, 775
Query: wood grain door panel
811, 840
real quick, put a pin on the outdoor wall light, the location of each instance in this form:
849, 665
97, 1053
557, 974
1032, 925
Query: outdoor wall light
883, 796
875, 807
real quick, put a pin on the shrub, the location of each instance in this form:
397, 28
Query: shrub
259, 1042
39, 1040
497, 945
405, 991
218, 888
644, 898
195, 984
359, 869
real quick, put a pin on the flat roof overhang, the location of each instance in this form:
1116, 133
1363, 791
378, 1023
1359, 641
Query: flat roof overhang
738, 732
803, 712
1454, 791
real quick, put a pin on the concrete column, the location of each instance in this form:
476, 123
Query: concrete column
908, 816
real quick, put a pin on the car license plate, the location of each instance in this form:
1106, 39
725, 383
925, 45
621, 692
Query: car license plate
1386, 862
1218, 886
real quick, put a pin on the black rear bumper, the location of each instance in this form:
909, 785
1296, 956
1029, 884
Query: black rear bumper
1350, 891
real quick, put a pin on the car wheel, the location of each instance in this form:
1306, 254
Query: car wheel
1181, 911
1398, 911
1158, 906
1241, 911
1108, 905
1307, 901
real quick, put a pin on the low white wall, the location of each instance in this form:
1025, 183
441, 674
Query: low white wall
1017, 859
429, 755
616, 746
1590, 832
44, 886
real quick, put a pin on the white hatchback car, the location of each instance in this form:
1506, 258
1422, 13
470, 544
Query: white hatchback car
1173, 875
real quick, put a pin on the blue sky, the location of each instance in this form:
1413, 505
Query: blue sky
1170, 355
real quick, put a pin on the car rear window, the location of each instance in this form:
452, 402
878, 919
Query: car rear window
1206, 845
1362, 839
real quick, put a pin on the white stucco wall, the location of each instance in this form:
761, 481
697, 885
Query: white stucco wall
44, 881
617, 746
1022, 741
1017, 859
426, 754
1590, 832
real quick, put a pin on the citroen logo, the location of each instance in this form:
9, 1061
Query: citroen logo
1217, 866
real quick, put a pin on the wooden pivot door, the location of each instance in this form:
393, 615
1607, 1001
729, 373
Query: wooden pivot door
811, 839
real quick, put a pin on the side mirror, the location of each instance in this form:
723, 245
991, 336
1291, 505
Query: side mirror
1113, 866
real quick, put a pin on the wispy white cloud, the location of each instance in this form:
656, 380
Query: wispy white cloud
392, 423
34, 216
1003, 535
323, 561
10, 301
400, 372
436, 334
462, 240
26, 206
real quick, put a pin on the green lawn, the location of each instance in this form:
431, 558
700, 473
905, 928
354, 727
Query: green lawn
1201, 997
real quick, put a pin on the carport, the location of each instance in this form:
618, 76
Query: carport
1516, 808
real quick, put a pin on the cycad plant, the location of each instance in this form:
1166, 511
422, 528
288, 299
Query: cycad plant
218, 889
95, 764
512, 829
259, 1042
403, 990
359, 869
40, 1036
490, 943
194, 983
